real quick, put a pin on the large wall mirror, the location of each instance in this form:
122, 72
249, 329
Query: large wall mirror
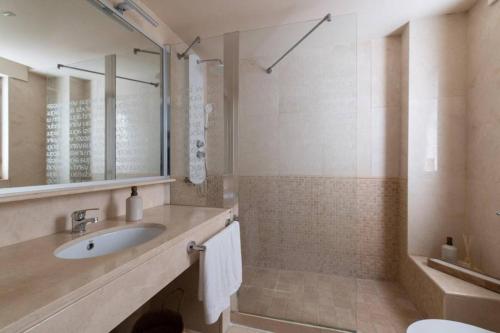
81, 95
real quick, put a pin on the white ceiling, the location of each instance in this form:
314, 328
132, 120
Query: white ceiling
376, 18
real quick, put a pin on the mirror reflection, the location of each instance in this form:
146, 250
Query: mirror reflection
80, 102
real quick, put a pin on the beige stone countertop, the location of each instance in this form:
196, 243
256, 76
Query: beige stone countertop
35, 284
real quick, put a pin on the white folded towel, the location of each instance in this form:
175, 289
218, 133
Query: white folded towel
220, 271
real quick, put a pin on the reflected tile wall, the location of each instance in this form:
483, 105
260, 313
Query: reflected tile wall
345, 226
28, 130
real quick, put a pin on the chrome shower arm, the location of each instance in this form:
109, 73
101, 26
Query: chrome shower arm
328, 17
183, 54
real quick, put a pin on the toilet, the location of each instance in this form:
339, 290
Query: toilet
443, 326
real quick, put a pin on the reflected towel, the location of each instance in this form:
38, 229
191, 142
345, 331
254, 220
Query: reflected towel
220, 271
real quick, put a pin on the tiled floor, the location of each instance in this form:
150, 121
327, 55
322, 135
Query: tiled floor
367, 306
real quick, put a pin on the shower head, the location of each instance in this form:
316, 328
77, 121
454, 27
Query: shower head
219, 61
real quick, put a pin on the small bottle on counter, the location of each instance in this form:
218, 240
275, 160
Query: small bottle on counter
134, 209
449, 251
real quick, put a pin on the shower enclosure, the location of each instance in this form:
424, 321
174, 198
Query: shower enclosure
292, 138
297, 173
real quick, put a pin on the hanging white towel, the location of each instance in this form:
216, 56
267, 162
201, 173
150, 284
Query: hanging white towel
220, 271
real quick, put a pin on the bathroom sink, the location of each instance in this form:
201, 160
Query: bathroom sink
107, 242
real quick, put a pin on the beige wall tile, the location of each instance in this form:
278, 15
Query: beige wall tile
259, 145
483, 148
438, 57
259, 91
321, 224
301, 120
474, 311
386, 72
25, 220
436, 132
422, 291
385, 142
209, 194
405, 50
379, 107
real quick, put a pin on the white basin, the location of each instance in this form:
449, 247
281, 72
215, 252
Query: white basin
108, 242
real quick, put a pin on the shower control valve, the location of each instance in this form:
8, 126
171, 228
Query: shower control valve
200, 143
200, 154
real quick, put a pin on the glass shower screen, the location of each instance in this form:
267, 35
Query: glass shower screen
297, 173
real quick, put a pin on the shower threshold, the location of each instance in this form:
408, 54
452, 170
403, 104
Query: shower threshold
280, 325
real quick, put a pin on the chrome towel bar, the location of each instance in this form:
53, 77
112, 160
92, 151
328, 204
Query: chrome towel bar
192, 246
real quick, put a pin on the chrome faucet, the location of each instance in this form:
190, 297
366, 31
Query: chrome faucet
79, 221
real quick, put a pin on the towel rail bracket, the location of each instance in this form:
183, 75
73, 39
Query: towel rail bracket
192, 246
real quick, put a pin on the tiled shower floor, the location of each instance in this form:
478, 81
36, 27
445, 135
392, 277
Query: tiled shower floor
367, 306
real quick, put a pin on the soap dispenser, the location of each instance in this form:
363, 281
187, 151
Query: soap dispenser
449, 251
134, 206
